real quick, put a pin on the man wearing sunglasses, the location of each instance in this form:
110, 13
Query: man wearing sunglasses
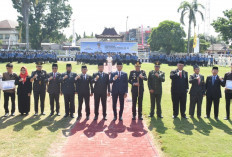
9, 75
39, 77
54, 89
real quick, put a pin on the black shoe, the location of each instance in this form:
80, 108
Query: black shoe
104, 118
174, 116
96, 117
191, 116
87, 117
120, 119
140, 118
66, 115
199, 117
216, 118
42, 113
26, 113
21, 114
160, 116
185, 117
71, 115
78, 118
115, 118
58, 114
151, 116
51, 114
133, 118
227, 118
13, 114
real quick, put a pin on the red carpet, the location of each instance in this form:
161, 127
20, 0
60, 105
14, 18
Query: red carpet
108, 138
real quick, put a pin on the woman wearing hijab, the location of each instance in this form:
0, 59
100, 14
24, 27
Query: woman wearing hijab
24, 91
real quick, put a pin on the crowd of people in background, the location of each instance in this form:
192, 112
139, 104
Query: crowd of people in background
201, 60
94, 58
23, 56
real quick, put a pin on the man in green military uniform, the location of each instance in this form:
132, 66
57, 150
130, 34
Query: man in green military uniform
136, 79
155, 79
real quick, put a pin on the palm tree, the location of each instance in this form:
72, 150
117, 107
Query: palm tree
190, 9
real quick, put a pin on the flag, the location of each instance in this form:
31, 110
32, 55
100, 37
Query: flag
20, 35
195, 40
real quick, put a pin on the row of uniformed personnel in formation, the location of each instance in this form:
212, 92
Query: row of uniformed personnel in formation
70, 83
27, 56
95, 58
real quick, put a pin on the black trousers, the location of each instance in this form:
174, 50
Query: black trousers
97, 98
39, 95
215, 101
69, 103
80, 102
195, 99
228, 99
136, 98
6, 100
54, 97
179, 101
155, 98
115, 97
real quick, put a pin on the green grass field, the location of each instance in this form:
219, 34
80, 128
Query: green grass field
34, 136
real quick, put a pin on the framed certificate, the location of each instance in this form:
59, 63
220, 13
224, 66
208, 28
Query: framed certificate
6, 85
229, 84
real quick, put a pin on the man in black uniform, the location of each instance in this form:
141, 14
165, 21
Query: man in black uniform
84, 87
197, 91
68, 89
101, 85
179, 89
136, 80
213, 92
228, 93
155, 80
54, 89
39, 77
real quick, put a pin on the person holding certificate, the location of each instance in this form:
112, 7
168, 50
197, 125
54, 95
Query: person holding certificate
228, 92
23, 91
10, 93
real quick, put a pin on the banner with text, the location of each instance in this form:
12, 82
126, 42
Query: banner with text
123, 47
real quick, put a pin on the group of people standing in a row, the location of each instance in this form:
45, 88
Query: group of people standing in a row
98, 84
30, 56
94, 58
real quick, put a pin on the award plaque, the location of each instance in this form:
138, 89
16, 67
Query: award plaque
229, 84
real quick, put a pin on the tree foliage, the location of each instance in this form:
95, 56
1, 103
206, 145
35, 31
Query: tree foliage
46, 20
169, 35
190, 9
223, 25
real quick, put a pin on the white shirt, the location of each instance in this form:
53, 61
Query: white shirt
84, 76
179, 72
109, 59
